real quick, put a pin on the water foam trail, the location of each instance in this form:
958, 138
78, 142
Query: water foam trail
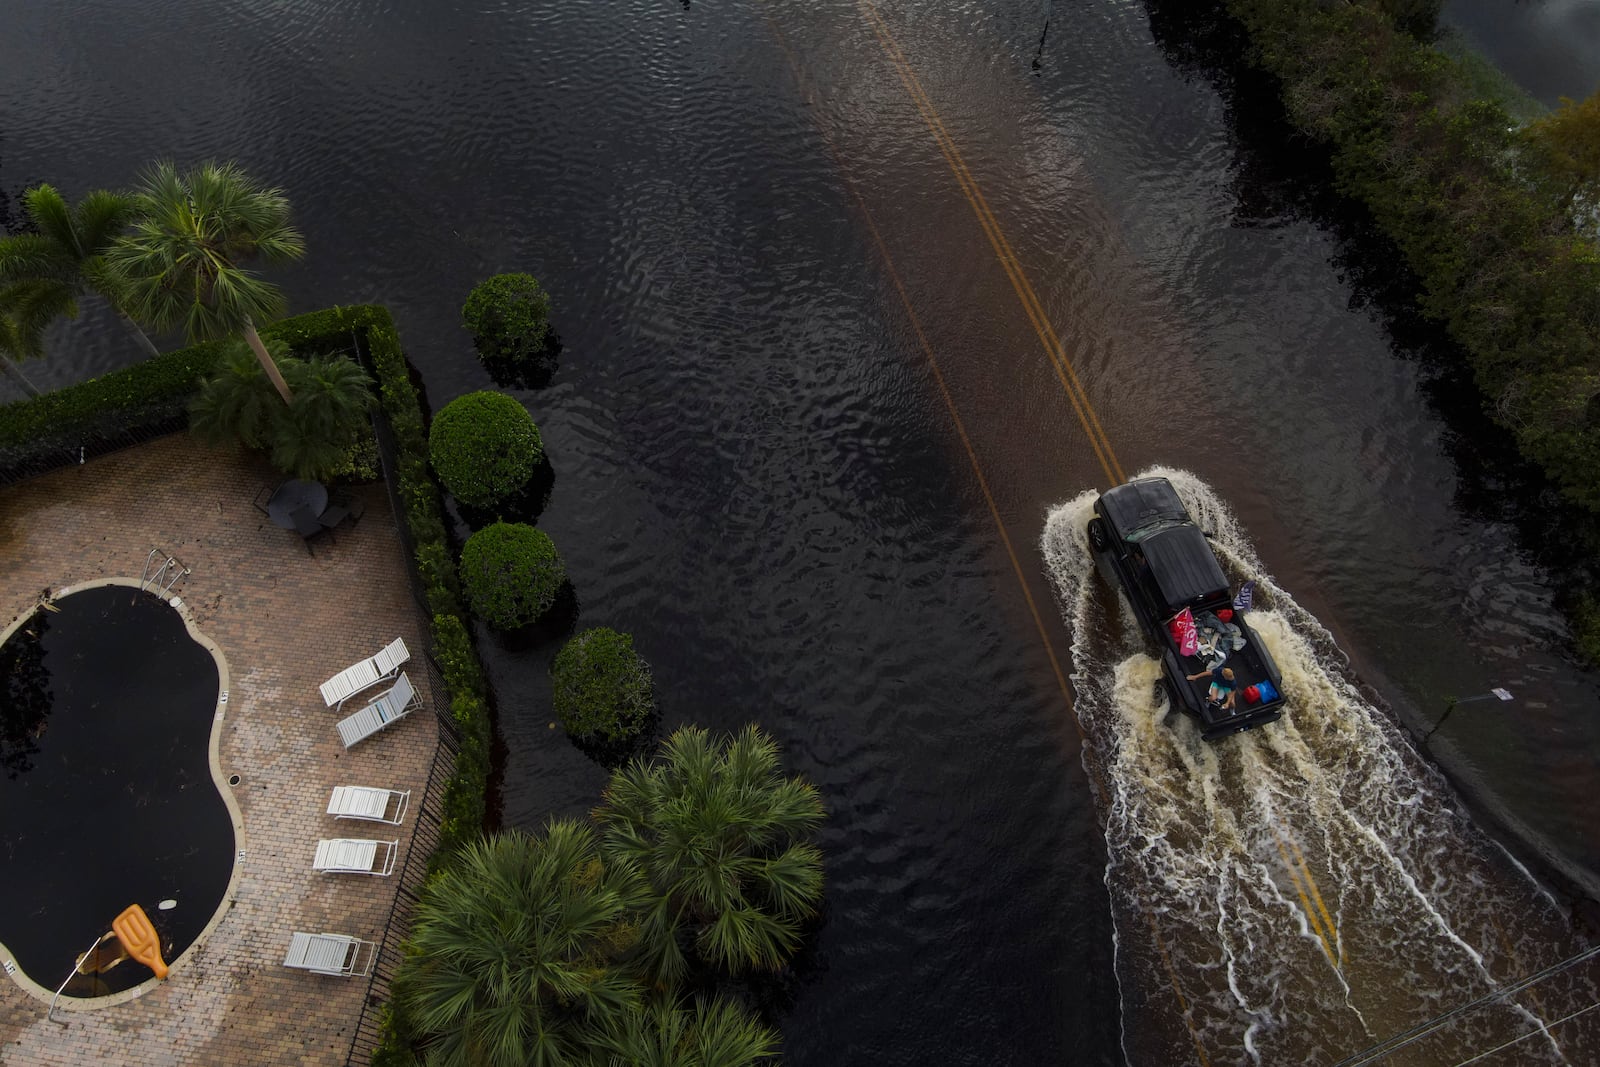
1311, 878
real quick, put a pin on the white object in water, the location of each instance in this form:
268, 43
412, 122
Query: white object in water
167, 905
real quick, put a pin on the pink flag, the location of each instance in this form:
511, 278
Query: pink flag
1183, 632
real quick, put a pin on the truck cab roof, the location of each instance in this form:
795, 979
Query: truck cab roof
1150, 518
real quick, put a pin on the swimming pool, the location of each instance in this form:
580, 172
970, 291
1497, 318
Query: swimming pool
109, 793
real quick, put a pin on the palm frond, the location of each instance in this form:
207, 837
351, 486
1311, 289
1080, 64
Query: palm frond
50, 212
33, 256
238, 404
101, 217
29, 307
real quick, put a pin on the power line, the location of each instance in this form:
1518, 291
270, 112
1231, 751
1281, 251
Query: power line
1390, 1045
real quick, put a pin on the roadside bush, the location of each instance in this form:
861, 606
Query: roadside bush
600, 686
485, 447
508, 316
511, 574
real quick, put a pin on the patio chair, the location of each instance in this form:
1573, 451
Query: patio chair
307, 526
332, 516
262, 496
387, 708
364, 802
380, 666
335, 954
348, 855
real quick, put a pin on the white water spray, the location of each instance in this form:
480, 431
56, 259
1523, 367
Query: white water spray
1304, 888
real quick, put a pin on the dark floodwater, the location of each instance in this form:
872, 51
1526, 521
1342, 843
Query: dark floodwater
757, 471
1551, 48
105, 784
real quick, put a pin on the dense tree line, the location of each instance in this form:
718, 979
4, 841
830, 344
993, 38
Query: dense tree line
1500, 223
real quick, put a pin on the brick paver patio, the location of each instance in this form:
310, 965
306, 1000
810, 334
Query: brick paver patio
284, 621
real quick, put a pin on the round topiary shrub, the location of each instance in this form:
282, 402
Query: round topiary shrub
511, 574
509, 318
485, 447
600, 687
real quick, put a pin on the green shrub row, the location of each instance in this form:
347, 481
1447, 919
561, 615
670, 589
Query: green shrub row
466, 793
158, 388
133, 399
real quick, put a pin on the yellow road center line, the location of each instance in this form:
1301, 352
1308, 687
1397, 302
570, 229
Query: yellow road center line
1333, 928
1034, 308
983, 485
1183, 1002
1305, 902
945, 395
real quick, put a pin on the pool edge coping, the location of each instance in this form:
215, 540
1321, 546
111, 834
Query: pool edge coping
213, 759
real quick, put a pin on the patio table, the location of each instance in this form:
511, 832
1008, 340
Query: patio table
293, 496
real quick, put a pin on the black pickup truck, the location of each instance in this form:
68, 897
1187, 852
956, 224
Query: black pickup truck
1145, 542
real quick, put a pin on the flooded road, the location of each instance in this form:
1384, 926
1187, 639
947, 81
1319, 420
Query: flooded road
853, 296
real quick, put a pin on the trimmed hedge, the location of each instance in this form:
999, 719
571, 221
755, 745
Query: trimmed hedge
155, 391
512, 574
508, 316
601, 687
485, 447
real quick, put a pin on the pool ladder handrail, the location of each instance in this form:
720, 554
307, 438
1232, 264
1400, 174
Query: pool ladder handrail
168, 562
76, 970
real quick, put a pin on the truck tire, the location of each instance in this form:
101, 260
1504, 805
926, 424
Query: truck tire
1097, 535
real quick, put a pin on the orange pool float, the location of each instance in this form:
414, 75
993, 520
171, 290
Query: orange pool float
139, 938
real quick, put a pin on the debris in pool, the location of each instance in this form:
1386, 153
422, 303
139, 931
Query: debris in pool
167, 905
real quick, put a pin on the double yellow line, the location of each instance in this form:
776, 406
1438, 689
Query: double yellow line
1031, 304
1305, 886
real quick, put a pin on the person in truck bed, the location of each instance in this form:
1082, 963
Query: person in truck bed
1222, 692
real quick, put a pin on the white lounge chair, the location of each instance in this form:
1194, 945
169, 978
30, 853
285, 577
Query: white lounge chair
380, 666
346, 855
362, 802
334, 954
387, 708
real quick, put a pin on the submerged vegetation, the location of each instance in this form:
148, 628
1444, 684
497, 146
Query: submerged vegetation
511, 573
600, 687
508, 316
485, 448
1500, 223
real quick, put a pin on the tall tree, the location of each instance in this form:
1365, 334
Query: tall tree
183, 263
511, 956
724, 840
66, 248
1567, 144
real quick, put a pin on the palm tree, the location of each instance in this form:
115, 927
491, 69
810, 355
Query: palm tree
722, 837
182, 263
312, 436
511, 957
237, 403
67, 250
717, 1033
